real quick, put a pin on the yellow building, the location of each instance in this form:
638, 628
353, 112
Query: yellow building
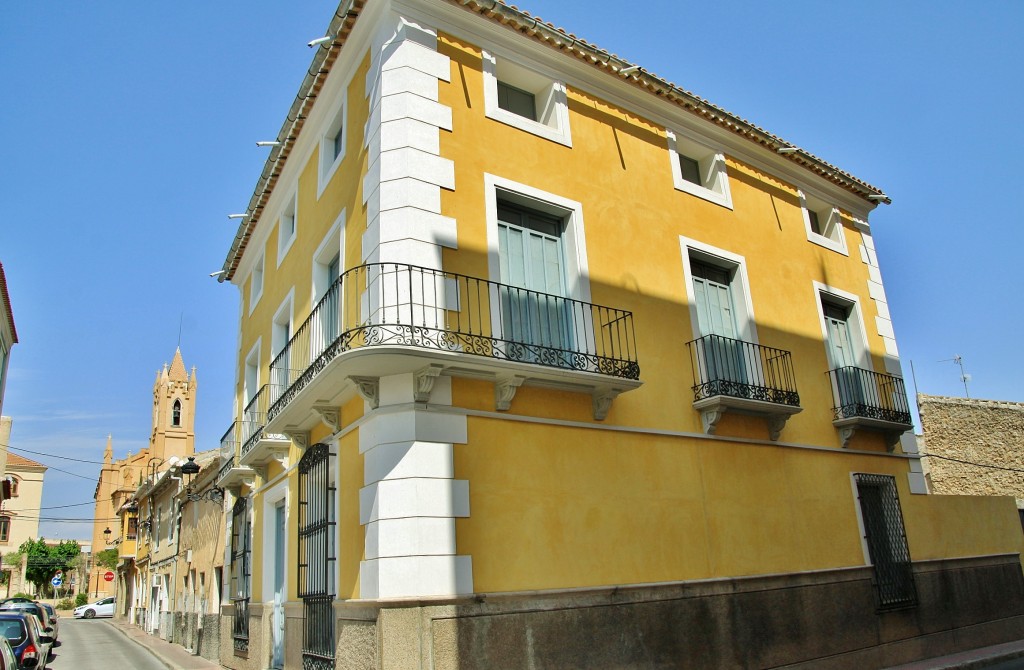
546, 361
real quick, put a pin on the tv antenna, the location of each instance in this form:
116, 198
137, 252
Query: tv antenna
964, 377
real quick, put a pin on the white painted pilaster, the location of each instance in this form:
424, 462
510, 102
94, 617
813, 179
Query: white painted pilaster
402, 187
410, 498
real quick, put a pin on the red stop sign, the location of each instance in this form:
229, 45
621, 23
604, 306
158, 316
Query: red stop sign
108, 576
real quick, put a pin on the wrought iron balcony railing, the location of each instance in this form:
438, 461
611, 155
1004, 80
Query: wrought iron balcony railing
723, 366
396, 304
254, 418
229, 448
860, 393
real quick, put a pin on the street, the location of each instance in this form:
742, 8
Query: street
96, 645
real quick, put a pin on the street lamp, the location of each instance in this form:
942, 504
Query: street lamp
190, 469
106, 537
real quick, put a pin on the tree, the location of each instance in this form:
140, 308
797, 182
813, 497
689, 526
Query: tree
107, 559
45, 560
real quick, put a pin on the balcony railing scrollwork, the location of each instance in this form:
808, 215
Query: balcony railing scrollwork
730, 374
872, 400
232, 473
258, 446
394, 304
229, 449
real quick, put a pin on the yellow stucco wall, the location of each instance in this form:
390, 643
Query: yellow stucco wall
556, 506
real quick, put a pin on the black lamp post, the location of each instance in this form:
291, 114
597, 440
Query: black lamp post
106, 537
190, 469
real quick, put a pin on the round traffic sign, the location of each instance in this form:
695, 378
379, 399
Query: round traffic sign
56, 581
108, 576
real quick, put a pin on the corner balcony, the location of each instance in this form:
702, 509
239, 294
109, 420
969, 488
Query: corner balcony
260, 446
742, 377
233, 474
389, 318
866, 400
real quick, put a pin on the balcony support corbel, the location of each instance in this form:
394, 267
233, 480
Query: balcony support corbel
712, 410
369, 388
329, 415
709, 419
238, 481
776, 423
505, 390
892, 437
300, 438
424, 382
602, 402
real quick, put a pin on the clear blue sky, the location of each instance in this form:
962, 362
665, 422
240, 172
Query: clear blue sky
130, 128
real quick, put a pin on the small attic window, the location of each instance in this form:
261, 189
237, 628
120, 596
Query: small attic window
176, 414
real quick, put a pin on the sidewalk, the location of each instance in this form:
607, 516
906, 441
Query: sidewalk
974, 659
174, 656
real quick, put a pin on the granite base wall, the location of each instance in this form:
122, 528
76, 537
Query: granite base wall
824, 619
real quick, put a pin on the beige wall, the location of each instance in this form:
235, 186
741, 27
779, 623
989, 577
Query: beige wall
24, 507
987, 432
5, 440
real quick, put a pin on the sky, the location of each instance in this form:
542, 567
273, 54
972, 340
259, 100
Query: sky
129, 135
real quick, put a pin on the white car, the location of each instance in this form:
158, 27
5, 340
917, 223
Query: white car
103, 607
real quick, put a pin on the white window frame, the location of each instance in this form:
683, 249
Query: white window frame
270, 500
332, 244
743, 306
833, 236
549, 94
256, 283
711, 162
855, 321
156, 522
282, 317
289, 215
329, 161
577, 279
252, 363
573, 241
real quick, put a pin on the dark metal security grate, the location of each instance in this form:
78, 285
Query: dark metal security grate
240, 548
316, 557
887, 541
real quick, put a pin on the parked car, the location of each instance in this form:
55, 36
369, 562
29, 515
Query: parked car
53, 619
31, 648
44, 639
8, 661
33, 608
104, 607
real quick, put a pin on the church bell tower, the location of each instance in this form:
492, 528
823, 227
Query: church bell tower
174, 401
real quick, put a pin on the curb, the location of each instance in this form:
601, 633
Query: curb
152, 652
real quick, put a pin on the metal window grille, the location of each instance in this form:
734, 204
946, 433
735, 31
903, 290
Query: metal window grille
316, 557
240, 550
887, 541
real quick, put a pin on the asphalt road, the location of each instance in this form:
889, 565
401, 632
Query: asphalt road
94, 644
